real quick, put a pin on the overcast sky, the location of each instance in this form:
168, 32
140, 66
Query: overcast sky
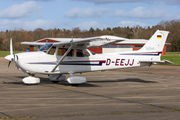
50, 14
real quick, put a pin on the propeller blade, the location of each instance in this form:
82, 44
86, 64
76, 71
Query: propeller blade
11, 47
8, 66
10, 57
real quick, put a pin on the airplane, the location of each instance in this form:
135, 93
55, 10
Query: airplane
69, 57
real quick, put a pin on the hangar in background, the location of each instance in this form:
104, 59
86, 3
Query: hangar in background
130, 45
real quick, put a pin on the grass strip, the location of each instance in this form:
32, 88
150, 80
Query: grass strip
173, 58
5, 53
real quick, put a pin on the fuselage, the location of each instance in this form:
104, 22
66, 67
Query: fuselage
43, 63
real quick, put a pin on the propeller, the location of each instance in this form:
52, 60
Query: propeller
8, 66
11, 56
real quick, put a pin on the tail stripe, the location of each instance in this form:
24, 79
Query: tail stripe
144, 53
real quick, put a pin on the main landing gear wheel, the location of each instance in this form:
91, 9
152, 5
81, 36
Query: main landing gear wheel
75, 80
74, 84
54, 81
57, 78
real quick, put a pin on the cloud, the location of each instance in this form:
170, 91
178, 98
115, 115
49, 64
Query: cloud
85, 12
172, 2
132, 24
31, 25
143, 13
20, 10
36, 0
88, 24
43, 0
108, 1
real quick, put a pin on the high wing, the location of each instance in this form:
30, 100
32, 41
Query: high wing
92, 41
84, 42
33, 43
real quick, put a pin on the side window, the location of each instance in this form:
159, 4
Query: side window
62, 51
82, 53
52, 50
71, 53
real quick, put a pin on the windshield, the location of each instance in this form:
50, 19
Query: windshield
45, 47
92, 52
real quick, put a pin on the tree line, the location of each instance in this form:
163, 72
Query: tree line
136, 32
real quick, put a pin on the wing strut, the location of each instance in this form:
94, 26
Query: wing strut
59, 62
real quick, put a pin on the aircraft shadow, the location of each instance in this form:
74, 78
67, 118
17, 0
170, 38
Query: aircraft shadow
88, 84
17, 83
65, 83
47, 81
123, 80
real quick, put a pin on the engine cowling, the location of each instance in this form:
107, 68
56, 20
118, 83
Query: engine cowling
76, 80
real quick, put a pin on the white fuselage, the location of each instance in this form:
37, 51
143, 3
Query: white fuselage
43, 63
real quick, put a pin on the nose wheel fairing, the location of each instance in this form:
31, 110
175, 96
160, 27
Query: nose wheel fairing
31, 80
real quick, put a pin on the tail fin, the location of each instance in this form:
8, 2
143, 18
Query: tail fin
156, 42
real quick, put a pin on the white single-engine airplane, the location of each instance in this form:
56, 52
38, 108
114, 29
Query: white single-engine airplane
56, 59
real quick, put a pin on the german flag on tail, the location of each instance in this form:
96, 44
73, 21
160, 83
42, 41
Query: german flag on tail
159, 36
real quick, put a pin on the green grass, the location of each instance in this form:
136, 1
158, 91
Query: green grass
172, 53
5, 53
173, 57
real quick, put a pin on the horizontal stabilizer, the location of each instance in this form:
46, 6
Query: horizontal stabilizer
159, 62
165, 62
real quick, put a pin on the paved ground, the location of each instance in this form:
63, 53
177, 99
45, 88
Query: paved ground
137, 93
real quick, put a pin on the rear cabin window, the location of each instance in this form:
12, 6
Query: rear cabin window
62, 51
82, 53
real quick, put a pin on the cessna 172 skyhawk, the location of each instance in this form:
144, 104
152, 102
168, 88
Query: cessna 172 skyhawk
56, 59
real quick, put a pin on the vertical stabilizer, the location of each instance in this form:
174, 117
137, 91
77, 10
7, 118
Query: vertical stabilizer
156, 42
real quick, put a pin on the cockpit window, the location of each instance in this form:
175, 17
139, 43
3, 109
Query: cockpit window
93, 53
45, 47
82, 53
62, 51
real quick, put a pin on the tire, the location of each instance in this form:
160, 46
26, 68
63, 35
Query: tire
74, 84
54, 81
